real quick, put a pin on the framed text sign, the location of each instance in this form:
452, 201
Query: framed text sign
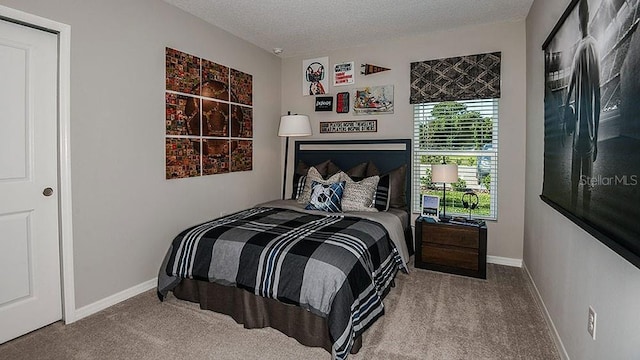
354, 126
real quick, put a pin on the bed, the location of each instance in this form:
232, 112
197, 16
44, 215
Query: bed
315, 276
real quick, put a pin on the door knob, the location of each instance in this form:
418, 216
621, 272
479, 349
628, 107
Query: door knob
47, 191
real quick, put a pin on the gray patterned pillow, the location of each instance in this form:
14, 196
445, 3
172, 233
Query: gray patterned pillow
358, 196
314, 175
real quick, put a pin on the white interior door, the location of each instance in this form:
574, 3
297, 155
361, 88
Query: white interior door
30, 288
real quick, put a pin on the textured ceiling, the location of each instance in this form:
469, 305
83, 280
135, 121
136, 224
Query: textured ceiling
300, 27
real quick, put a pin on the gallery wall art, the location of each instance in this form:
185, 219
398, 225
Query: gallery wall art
208, 117
342, 102
324, 103
592, 121
354, 126
368, 69
343, 74
315, 77
373, 100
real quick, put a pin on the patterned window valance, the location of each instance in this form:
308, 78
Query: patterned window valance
458, 78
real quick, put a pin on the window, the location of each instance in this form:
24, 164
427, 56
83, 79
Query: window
464, 133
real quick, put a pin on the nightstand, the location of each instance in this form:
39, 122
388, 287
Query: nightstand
450, 247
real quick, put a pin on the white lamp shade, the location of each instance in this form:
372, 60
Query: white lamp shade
294, 125
444, 173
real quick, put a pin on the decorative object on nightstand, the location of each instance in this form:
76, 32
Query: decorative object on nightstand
430, 206
454, 247
292, 125
444, 173
470, 201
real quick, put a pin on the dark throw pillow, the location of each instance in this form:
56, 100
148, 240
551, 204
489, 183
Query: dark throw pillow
371, 169
391, 188
358, 172
397, 185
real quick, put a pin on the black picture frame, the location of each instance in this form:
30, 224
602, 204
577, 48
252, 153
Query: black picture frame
350, 126
592, 143
342, 102
324, 103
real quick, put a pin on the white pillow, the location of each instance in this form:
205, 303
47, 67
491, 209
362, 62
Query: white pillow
314, 175
358, 196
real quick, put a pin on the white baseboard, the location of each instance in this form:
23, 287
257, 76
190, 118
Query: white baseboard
115, 298
504, 261
545, 313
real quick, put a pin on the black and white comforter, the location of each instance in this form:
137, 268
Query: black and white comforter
337, 267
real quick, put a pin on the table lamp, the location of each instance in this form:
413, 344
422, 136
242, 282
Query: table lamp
444, 173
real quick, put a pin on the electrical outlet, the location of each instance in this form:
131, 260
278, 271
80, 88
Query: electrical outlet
591, 325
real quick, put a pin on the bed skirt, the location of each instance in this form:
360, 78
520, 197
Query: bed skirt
254, 311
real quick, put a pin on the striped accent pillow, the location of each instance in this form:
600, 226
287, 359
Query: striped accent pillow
383, 194
298, 185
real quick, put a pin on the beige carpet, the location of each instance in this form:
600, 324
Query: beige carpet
429, 315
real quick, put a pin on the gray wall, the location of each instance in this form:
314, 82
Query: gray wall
505, 235
570, 268
124, 211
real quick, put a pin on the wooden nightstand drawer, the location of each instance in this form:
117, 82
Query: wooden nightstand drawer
456, 236
450, 256
453, 248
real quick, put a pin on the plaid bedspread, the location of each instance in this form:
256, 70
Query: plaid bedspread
337, 267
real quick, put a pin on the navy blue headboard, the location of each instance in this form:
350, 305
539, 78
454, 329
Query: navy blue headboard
386, 154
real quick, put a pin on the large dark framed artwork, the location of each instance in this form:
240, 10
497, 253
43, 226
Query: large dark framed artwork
208, 117
592, 121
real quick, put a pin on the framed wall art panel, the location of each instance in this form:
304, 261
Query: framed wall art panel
373, 100
592, 121
208, 117
315, 77
343, 74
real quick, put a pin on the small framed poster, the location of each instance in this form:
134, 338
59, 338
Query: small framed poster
343, 74
430, 206
342, 102
324, 103
315, 77
373, 100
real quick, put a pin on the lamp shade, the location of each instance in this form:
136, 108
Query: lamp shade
294, 125
444, 173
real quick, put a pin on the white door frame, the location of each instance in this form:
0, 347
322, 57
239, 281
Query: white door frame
64, 151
